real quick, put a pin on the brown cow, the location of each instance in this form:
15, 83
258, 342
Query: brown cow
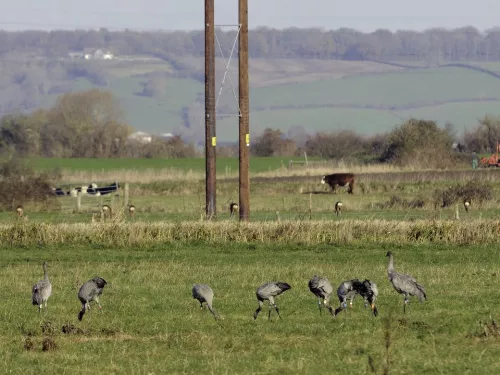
341, 179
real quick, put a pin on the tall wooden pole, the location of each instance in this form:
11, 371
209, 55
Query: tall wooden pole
210, 140
244, 123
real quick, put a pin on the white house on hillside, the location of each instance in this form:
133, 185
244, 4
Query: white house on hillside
141, 137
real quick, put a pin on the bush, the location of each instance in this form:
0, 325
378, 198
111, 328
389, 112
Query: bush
397, 202
472, 191
20, 184
419, 143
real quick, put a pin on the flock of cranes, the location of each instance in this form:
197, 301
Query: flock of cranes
90, 291
321, 287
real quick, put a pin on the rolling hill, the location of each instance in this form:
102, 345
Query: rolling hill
367, 97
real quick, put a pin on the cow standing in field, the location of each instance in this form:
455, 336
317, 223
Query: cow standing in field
340, 179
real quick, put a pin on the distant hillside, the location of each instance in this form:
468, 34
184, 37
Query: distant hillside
316, 95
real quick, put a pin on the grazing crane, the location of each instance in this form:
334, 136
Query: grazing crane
42, 290
203, 293
131, 210
267, 292
338, 208
350, 288
233, 208
323, 289
90, 291
404, 284
466, 204
106, 211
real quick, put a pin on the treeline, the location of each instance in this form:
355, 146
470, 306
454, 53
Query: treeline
83, 124
433, 45
90, 124
418, 143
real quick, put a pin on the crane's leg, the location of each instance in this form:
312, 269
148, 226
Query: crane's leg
319, 306
257, 311
201, 305
40, 308
276, 308
271, 303
404, 305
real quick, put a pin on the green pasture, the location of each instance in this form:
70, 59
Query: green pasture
270, 200
149, 323
388, 89
223, 164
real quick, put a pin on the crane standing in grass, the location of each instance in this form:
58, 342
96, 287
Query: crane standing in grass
42, 290
90, 291
203, 293
338, 208
404, 284
350, 288
267, 292
323, 289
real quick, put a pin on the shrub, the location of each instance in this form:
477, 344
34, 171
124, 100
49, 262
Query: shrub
472, 190
419, 143
19, 184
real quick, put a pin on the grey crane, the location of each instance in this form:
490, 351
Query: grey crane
323, 289
267, 292
90, 291
404, 284
347, 290
338, 208
203, 293
42, 290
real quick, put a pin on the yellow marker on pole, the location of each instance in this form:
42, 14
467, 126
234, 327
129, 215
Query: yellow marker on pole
247, 139
214, 141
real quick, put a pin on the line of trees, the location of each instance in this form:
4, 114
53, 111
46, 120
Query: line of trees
433, 45
90, 124
82, 124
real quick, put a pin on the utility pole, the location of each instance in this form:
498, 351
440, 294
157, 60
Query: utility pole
244, 123
210, 139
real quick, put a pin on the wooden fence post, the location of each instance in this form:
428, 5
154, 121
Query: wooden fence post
78, 201
125, 195
310, 206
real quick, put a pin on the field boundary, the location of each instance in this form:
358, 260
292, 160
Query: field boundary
121, 234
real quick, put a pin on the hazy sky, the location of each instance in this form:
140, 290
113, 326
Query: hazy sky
364, 15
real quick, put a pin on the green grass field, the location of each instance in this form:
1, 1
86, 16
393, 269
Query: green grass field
150, 324
257, 164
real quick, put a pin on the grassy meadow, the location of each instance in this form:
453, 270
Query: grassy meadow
150, 324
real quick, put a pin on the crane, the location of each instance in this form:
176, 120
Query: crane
404, 284
267, 292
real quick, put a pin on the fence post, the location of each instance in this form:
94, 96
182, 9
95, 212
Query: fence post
310, 206
457, 216
78, 201
125, 195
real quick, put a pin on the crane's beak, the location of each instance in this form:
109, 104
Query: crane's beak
373, 306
